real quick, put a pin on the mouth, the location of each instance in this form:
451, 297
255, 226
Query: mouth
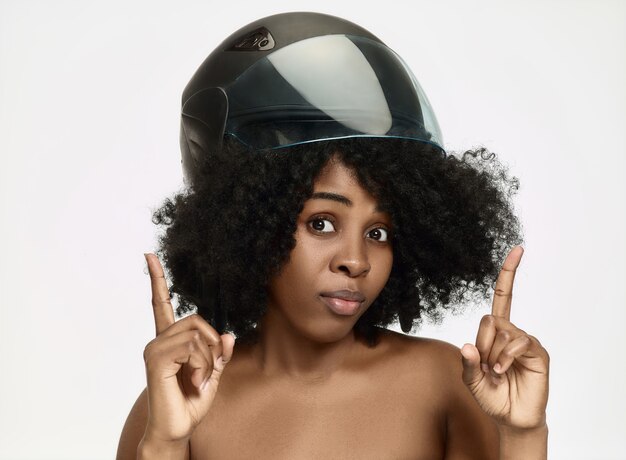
343, 302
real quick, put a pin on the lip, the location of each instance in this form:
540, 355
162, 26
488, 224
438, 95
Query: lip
343, 302
345, 294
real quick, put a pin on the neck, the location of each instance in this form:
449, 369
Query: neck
283, 351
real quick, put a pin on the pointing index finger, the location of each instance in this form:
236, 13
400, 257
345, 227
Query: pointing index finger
161, 302
504, 284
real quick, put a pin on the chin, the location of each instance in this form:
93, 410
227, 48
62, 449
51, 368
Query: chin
330, 331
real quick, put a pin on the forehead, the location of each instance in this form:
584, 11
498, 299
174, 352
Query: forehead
336, 175
339, 182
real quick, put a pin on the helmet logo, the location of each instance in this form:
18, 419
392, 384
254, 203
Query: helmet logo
258, 40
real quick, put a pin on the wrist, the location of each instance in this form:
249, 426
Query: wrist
523, 443
515, 432
153, 448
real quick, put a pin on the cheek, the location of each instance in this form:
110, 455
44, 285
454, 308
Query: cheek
384, 264
309, 252
305, 263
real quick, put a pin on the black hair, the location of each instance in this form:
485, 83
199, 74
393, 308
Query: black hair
452, 218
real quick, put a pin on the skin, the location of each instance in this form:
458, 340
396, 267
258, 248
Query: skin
310, 389
339, 245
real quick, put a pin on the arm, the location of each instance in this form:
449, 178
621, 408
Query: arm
470, 432
133, 445
507, 372
531, 443
184, 364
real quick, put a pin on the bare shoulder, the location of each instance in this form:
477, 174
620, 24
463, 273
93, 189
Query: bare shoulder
432, 365
398, 339
133, 428
437, 356
438, 368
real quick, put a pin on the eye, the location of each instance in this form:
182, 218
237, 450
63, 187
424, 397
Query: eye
322, 225
379, 234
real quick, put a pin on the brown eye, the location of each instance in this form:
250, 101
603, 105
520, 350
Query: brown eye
379, 234
322, 225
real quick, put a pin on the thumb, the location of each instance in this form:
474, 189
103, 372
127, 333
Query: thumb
212, 380
472, 372
228, 345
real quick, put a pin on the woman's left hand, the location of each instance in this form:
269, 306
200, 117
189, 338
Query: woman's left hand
507, 370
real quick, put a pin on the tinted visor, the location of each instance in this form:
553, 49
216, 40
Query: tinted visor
328, 87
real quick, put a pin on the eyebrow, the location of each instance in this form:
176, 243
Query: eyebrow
338, 198
333, 197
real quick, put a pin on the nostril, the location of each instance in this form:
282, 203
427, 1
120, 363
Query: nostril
356, 269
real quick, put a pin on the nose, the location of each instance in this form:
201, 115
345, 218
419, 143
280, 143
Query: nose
351, 257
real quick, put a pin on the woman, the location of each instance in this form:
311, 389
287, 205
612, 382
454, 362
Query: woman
321, 208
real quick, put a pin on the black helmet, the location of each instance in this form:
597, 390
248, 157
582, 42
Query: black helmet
293, 78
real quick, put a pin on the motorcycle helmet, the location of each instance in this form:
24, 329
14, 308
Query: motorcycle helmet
296, 78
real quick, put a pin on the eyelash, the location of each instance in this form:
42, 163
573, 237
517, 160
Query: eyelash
329, 219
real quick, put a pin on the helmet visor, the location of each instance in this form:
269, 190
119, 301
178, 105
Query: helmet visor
328, 87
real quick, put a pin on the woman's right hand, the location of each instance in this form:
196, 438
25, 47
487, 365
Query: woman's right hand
184, 364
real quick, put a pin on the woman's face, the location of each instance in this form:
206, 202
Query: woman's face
341, 261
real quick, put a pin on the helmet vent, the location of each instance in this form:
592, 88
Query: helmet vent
258, 40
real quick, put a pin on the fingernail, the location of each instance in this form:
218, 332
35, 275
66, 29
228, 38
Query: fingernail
484, 367
205, 383
497, 368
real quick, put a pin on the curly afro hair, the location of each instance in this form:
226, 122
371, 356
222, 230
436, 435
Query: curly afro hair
230, 232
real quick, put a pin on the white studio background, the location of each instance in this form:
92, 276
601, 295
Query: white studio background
89, 117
